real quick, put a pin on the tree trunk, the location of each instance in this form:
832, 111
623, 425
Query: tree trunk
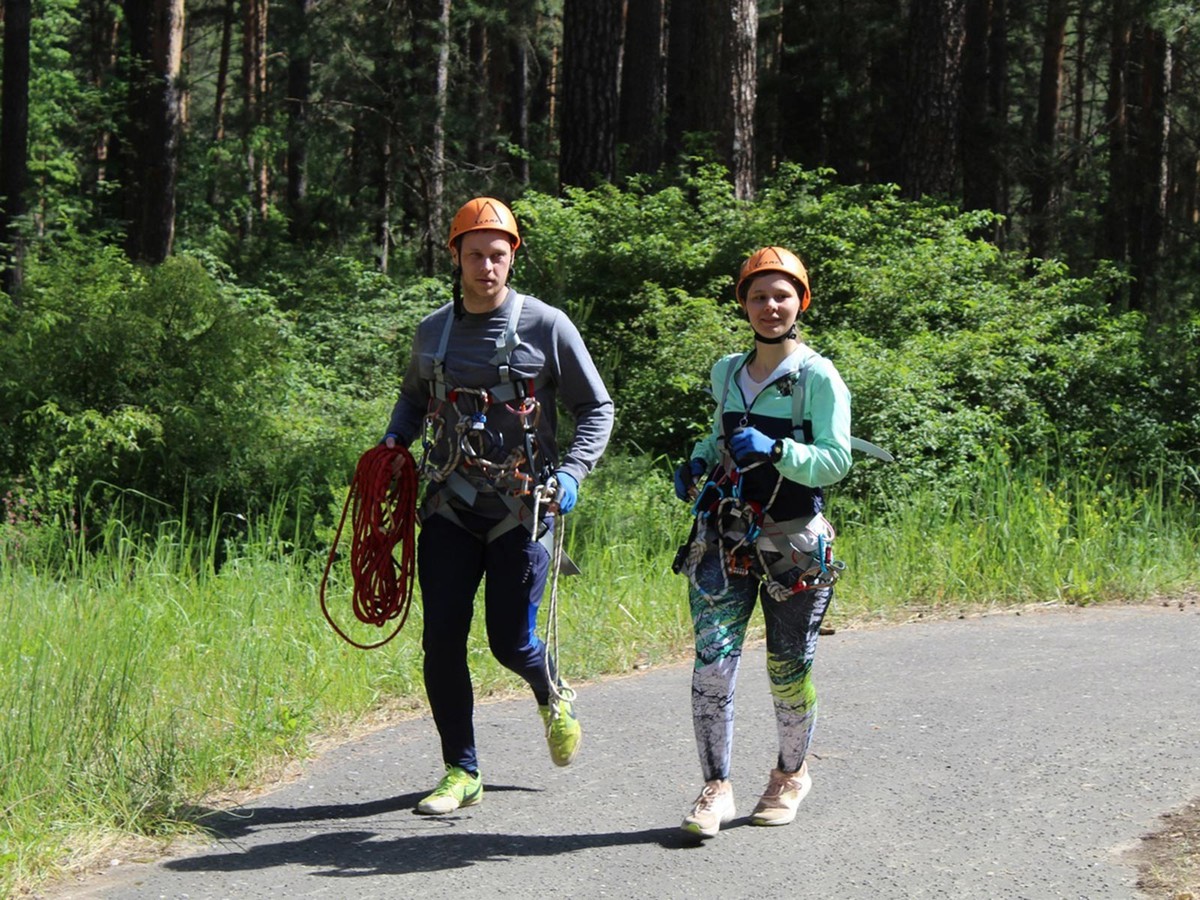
156, 42
1148, 174
591, 54
999, 102
385, 136
737, 130
427, 68
772, 87
643, 78
929, 144
1181, 213
1080, 93
683, 38
1116, 231
437, 198
101, 28
712, 71
521, 49
980, 131
476, 54
383, 204
221, 93
886, 93
222, 83
1044, 179
299, 79
254, 87
14, 142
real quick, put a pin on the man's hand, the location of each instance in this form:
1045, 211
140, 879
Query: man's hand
400, 463
568, 491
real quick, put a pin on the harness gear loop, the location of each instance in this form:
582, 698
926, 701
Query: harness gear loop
433, 432
382, 504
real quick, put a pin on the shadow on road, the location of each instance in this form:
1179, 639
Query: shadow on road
354, 853
232, 824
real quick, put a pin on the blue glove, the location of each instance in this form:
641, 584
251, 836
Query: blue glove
686, 475
568, 491
749, 445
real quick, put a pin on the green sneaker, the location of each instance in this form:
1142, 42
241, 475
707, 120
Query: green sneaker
458, 788
563, 732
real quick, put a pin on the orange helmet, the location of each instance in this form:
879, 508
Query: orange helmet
484, 214
774, 259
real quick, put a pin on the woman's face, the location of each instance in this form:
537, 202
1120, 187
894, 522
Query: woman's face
772, 304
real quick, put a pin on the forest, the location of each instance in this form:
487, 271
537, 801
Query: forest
221, 220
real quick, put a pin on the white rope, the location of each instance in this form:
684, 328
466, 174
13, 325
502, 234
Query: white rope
559, 691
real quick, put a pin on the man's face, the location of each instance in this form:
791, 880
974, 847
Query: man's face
486, 258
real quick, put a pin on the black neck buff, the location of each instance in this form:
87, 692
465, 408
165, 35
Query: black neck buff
790, 335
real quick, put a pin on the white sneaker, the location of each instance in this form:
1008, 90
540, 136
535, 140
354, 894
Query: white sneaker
782, 797
712, 809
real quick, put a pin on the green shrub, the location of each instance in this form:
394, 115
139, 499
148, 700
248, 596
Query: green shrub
193, 381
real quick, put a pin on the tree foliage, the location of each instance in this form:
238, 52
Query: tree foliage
1033, 293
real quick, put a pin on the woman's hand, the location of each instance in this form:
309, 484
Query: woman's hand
749, 445
685, 478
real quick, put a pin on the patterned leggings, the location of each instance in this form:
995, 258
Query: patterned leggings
719, 622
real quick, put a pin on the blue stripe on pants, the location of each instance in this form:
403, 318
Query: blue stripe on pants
451, 563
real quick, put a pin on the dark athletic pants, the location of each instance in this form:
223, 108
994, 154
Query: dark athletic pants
451, 562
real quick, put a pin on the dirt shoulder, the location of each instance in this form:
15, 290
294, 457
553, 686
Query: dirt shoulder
1168, 860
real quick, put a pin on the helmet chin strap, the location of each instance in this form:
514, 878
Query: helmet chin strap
790, 335
456, 293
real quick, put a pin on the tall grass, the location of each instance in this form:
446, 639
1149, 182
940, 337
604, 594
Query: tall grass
138, 678
1026, 535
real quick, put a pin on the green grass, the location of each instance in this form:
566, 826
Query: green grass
137, 680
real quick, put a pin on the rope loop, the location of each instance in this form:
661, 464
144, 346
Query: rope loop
382, 505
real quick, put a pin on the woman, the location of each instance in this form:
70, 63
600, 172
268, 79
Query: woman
781, 432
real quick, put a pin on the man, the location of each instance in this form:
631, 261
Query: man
484, 380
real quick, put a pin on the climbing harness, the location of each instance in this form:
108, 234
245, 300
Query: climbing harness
748, 538
750, 541
472, 442
471, 446
382, 505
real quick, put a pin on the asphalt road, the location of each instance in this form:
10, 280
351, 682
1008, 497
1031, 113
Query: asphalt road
1002, 756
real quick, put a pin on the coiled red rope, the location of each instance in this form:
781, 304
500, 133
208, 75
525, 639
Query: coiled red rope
383, 507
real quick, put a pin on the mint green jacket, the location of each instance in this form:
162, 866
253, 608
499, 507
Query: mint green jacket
814, 428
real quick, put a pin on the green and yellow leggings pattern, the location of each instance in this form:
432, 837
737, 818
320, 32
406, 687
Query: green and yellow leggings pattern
719, 619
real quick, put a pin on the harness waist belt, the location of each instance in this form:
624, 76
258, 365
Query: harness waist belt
519, 516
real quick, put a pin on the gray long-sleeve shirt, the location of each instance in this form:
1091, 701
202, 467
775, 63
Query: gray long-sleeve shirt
551, 352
